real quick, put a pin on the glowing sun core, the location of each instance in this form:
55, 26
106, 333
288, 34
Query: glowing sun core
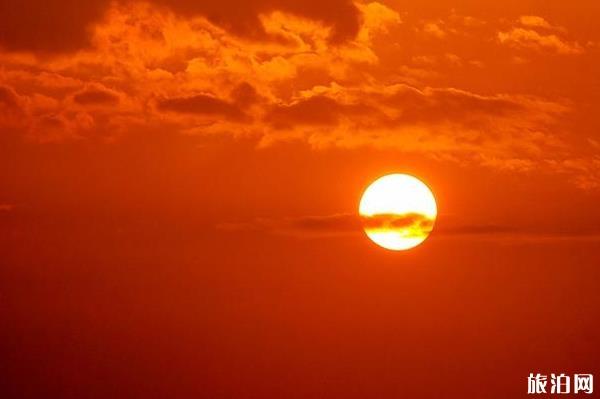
398, 211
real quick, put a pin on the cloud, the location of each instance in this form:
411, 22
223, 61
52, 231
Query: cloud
534, 21
434, 29
58, 26
342, 15
331, 223
197, 73
49, 25
52, 127
201, 104
438, 104
585, 171
12, 107
376, 19
442, 123
334, 224
8, 97
96, 96
395, 105
316, 110
306, 225
530, 39
412, 221
244, 95
353, 224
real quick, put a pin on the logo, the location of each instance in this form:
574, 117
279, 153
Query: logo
560, 384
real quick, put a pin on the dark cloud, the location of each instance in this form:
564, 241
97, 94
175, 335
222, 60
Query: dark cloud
56, 26
201, 104
49, 25
8, 97
410, 106
332, 223
317, 110
244, 94
310, 225
393, 221
12, 108
434, 105
345, 223
483, 229
242, 17
95, 96
52, 122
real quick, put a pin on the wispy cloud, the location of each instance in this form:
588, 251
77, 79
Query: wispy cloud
534, 21
353, 224
531, 39
536, 33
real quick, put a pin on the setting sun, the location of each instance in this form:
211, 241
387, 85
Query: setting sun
398, 211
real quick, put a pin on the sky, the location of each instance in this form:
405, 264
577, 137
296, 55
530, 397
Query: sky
179, 188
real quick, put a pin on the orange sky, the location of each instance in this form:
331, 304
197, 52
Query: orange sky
179, 184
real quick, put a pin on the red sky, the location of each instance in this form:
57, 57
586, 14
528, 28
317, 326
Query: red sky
179, 184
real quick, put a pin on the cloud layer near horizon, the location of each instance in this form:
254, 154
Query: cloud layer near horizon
353, 224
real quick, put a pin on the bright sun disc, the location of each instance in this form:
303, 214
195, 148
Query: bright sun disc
398, 211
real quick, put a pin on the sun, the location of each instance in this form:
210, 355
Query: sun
398, 211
